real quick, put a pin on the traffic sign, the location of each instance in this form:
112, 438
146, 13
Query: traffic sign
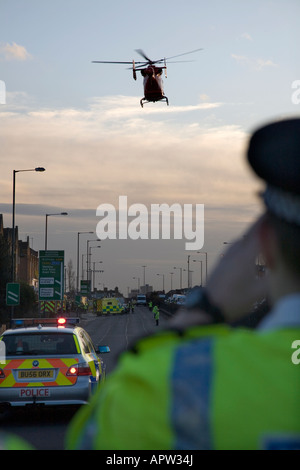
85, 287
51, 275
12, 293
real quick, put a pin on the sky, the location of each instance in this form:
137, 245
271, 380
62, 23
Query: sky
83, 122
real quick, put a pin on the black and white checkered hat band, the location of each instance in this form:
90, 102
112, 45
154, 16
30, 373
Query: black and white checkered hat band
283, 204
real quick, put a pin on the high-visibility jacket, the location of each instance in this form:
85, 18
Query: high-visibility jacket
212, 388
156, 312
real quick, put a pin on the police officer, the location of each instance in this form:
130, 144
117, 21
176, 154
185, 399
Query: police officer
156, 314
216, 387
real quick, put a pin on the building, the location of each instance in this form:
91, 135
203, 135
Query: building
28, 267
26, 259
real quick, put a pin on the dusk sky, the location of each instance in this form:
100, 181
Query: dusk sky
84, 124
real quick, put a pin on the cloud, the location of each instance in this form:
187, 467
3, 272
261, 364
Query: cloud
113, 147
14, 52
247, 36
255, 63
110, 148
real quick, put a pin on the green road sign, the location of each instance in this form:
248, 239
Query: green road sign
85, 287
51, 275
12, 293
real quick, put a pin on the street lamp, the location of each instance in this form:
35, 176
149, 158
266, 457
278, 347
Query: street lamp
46, 227
87, 256
171, 281
199, 261
188, 263
79, 233
144, 276
180, 276
90, 270
205, 253
38, 169
163, 276
96, 271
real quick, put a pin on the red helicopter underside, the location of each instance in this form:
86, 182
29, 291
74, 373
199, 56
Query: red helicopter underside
153, 88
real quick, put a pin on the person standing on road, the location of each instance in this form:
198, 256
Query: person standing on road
218, 387
156, 314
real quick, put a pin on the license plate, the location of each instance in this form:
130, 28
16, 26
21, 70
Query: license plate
40, 374
34, 392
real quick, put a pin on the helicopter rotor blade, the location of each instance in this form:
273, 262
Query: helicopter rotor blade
142, 53
110, 62
184, 53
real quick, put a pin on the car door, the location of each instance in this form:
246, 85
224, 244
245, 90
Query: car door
92, 358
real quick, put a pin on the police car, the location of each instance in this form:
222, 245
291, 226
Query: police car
49, 362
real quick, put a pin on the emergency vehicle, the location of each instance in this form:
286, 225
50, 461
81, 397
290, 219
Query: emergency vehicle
48, 362
109, 305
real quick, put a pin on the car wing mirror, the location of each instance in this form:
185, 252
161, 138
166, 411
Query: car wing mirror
103, 349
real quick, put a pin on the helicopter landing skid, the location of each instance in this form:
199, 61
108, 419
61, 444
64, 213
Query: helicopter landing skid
164, 98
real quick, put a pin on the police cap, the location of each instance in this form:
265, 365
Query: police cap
274, 154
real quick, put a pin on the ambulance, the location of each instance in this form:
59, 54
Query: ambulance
109, 305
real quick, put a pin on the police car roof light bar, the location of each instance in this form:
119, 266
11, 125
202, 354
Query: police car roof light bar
27, 322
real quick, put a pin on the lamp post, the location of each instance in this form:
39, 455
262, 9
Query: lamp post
163, 276
180, 276
199, 261
79, 233
90, 255
188, 263
38, 169
96, 271
138, 279
46, 227
205, 253
87, 256
144, 276
171, 281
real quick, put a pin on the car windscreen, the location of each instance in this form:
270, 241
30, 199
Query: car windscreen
23, 344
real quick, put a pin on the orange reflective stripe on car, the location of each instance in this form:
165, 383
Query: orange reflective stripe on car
16, 365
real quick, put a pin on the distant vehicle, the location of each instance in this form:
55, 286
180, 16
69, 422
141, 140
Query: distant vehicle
109, 305
178, 299
49, 362
181, 300
141, 299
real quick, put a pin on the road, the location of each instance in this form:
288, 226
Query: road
45, 429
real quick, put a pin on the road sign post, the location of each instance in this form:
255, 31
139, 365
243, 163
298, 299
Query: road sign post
85, 288
51, 275
13, 293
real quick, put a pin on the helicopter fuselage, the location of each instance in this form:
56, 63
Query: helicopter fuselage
153, 85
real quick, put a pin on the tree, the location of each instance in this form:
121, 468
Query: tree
5, 276
71, 277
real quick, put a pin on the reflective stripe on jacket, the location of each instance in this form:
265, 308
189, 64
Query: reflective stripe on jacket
213, 388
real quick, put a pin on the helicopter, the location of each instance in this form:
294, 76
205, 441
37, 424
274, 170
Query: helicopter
151, 70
